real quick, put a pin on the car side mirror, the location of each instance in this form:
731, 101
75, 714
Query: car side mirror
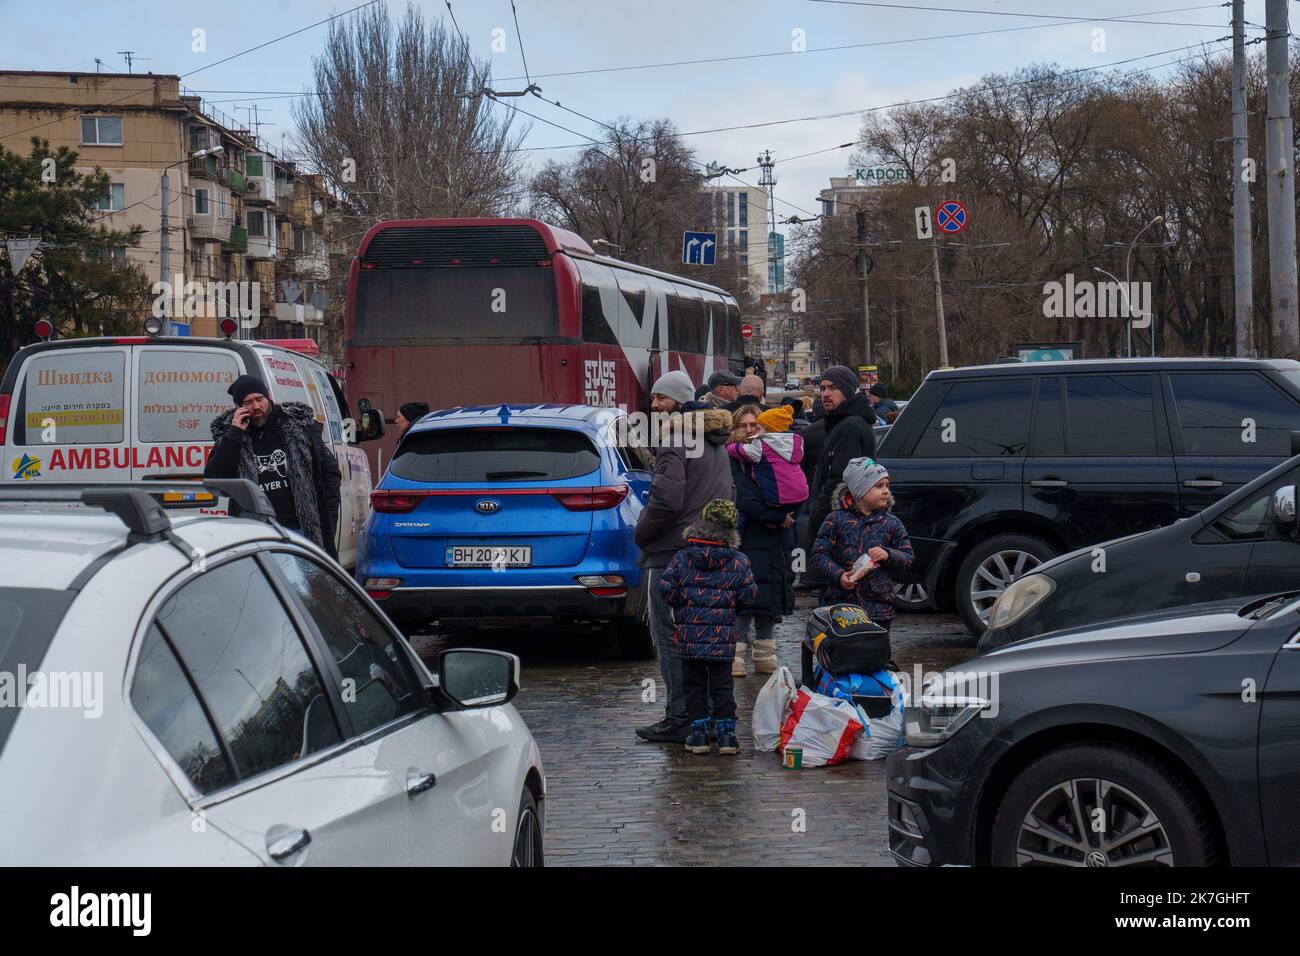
474, 678
1284, 506
372, 421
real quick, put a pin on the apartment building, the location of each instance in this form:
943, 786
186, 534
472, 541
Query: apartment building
739, 216
214, 203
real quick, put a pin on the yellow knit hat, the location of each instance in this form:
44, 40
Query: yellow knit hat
777, 419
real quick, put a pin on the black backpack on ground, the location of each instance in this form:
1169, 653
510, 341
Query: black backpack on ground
843, 640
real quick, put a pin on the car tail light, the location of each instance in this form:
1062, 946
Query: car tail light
604, 585
590, 499
395, 502
380, 588
5, 399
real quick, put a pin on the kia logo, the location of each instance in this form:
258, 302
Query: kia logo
487, 506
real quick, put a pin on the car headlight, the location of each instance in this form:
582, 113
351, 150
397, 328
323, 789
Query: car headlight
934, 717
1019, 599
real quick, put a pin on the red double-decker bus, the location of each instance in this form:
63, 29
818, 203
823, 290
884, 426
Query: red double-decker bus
479, 311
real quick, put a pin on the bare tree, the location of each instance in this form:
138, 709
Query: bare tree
398, 128
639, 192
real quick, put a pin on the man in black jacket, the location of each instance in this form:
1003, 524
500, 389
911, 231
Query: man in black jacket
850, 433
279, 448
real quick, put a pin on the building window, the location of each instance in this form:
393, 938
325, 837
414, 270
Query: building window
744, 241
201, 202
731, 210
198, 138
744, 209
299, 240
113, 201
256, 223
828, 208
253, 165
101, 131
223, 209
118, 255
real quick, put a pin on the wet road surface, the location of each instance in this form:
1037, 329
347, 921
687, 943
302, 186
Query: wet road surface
614, 799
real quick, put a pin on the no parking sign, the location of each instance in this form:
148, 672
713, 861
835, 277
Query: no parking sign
950, 216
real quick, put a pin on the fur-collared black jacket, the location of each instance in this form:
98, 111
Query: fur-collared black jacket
314, 475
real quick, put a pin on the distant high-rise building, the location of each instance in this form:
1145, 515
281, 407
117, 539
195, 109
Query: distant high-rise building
739, 217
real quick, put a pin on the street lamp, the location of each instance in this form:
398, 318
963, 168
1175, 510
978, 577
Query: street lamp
1156, 221
164, 260
1128, 306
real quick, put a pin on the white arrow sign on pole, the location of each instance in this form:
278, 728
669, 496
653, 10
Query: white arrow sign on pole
690, 250
704, 249
924, 228
20, 251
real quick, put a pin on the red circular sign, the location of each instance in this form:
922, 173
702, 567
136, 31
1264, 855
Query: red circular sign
44, 329
950, 216
747, 331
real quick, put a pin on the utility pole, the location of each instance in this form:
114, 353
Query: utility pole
893, 330
863, 301
1281, 185
1242, 265
938, 305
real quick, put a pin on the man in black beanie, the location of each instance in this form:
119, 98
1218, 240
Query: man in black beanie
850, 433
281, 449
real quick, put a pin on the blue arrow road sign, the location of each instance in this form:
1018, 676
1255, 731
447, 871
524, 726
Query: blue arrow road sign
699, 248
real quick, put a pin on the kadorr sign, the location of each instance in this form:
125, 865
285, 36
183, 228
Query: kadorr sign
881, 174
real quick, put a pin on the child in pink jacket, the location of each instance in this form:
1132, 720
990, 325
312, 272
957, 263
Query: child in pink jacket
774, 456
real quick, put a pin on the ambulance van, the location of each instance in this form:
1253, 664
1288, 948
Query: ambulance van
139, 408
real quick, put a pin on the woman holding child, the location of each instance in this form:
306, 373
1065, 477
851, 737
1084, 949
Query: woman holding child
770, 487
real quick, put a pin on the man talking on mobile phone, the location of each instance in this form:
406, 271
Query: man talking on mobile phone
279, 448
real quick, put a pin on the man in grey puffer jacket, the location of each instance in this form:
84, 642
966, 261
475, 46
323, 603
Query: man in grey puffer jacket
691, 469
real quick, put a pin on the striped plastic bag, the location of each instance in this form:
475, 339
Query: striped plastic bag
824, 727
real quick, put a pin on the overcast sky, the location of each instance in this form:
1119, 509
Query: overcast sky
563, 36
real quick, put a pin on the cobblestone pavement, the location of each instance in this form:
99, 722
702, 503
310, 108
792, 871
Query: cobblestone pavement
615, 799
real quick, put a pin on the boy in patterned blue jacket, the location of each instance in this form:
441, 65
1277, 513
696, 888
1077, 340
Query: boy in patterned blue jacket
860, 524
703, 584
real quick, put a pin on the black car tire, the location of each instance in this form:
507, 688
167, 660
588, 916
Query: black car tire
917, 605
1187, 827
635, 642
1029, 544
529, 846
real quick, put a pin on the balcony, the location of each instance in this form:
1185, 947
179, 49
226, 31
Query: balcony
235, 179
205, 167
261, 189
238, 239
261, 247
309, 265
210, 226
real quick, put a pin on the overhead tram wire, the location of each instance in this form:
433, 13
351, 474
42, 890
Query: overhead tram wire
233, 56
859, 46
519, 36
1124, 18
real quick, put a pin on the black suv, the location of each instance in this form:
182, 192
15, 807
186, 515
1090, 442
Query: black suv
999, 468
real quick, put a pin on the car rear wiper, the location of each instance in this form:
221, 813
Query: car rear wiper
508, 475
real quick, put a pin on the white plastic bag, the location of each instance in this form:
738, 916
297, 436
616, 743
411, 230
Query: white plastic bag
824, 727
882, 735
771, 707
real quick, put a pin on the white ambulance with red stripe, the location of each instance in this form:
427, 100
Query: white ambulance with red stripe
136, 408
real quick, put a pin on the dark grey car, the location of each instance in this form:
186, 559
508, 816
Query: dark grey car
1162, 739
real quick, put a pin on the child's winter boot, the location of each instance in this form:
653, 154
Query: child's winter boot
738, 662
727, 742
697, 741
765, 661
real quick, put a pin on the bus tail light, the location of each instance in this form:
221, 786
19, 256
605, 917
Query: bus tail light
590, 499
395, 502
5, 399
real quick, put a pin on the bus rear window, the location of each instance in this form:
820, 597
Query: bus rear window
502, 302
495, 454
181, 390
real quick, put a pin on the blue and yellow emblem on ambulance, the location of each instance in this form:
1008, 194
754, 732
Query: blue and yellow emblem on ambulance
26, 467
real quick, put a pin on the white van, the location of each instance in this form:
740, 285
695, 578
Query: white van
136, 408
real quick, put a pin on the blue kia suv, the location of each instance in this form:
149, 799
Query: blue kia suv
499, 514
